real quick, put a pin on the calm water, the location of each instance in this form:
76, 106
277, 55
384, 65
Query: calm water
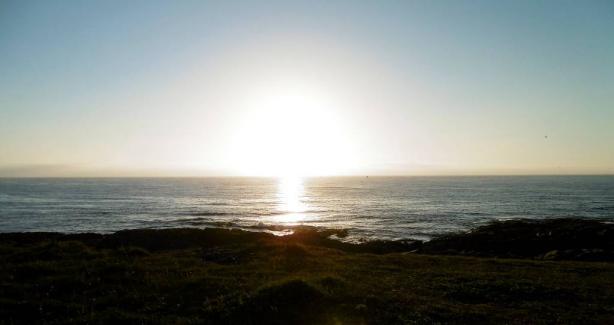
375, 207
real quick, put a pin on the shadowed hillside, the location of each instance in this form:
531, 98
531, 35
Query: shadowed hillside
237, 277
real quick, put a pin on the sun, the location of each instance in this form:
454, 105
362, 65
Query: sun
291, 132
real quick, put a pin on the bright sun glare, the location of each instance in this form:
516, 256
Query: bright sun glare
291, 132
290, 198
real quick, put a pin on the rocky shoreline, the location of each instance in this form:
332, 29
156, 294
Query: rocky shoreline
552, 239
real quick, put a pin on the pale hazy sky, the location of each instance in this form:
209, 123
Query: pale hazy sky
147, 88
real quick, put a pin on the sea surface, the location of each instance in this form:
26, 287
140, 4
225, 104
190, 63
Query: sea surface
369, 207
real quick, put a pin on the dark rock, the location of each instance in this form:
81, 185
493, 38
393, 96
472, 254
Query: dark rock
554, 239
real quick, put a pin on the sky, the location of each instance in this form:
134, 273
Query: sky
270, 88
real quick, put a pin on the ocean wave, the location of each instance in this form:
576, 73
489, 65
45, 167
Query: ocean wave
205, 213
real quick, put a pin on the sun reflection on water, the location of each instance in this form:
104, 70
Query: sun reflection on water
290, 196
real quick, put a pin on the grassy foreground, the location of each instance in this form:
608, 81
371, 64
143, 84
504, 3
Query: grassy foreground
228, 276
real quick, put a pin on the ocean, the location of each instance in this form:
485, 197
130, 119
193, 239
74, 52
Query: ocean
368, 207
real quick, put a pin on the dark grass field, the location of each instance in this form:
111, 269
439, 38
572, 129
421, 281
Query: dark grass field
189, 276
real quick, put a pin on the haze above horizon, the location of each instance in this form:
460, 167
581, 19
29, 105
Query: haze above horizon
306, 88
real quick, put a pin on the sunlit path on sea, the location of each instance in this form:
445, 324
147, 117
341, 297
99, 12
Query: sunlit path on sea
291, 201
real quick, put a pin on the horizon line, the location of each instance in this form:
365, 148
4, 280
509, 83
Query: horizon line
312, 176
